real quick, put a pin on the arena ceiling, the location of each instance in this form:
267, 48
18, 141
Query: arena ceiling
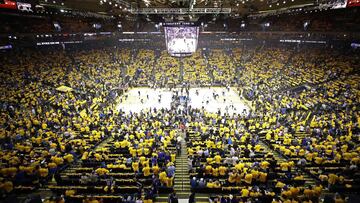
238, 7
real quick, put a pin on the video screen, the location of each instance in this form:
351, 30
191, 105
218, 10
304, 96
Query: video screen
181, 40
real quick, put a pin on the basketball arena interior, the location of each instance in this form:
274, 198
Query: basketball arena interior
168, 101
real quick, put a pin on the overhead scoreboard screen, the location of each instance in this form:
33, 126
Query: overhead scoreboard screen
181, 38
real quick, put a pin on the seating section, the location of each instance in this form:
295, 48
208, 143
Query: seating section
45, 129
60, 129
221, 65
227, 156
167, 70
126, 163
195, 69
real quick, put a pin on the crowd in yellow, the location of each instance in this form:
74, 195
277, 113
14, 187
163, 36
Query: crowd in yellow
314, 127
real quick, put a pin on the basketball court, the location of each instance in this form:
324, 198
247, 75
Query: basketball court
143, 98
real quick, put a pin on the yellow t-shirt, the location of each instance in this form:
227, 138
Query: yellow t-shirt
43, 172
135, 166
232, 178
217, 159
208, 169
146, 171
210, 185
155, 169
222, 170
245, 192
102, 171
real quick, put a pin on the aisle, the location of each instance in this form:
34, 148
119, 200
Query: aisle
182, 179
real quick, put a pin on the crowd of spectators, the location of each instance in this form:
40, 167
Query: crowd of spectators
304, 107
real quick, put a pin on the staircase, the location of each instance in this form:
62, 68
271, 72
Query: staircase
182, 180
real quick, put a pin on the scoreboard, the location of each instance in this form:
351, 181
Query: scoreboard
181, 38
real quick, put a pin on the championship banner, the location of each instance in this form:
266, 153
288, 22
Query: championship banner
24, 7
9, 4
353, 3
339, 4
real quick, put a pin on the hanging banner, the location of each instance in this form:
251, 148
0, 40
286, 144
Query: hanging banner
9, 4
24, 7
353, 3
339, 4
